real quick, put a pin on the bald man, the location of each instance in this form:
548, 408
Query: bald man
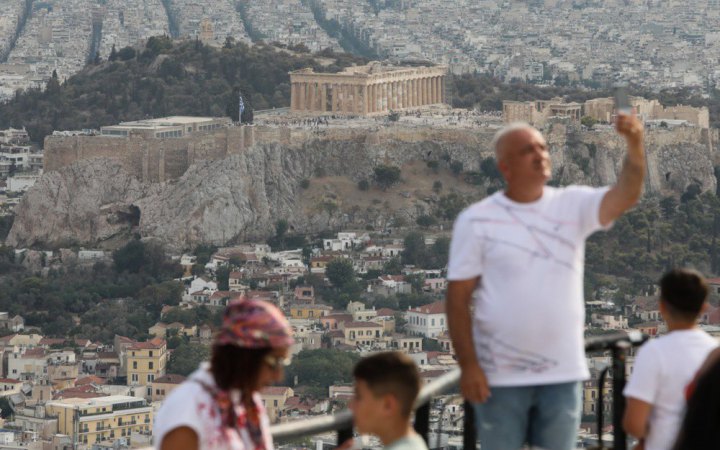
515, 299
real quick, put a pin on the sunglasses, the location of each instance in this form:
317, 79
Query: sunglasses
277, 362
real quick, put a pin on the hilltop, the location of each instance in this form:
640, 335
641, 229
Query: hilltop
164, 78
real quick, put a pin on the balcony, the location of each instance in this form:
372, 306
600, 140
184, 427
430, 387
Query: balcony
617, 344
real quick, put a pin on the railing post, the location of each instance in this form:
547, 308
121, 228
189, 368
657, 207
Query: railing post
469, 430
600, 410
422, 421
344, 434
619, 353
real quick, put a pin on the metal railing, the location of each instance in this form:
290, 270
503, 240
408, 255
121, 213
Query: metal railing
342, 423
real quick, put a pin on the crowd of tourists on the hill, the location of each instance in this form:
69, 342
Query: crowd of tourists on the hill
515, 312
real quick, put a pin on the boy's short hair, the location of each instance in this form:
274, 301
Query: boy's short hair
391, 373
684, 291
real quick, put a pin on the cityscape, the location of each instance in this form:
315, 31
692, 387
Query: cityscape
163, 159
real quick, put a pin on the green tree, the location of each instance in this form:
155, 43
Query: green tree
6, 410
414, 252
386, 176
439, 253
456, 167
450, 205
588, 122
187, 357
392, 266
126, 53
223, 278
130, 257
417, 281
340, 272
204, 252
426, 221
113, 54
321, 368
668, 205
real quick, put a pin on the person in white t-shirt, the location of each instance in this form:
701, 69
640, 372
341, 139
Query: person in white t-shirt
219, 406
515, 294
665, 367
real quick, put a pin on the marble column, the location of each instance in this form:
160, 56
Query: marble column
365, 105
357, 99
406, 97
312, 95
301, 96
391, 96
433, 91
442, 89
346, 99
413, 93
293, 97
421, 91
323, 98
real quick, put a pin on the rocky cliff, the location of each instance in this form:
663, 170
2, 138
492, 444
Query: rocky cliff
97, 202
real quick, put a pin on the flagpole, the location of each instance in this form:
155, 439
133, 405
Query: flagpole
241, 107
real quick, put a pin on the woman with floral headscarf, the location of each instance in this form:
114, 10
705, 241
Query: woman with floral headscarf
219, 407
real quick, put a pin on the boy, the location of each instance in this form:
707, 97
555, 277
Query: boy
386, 386
665, 366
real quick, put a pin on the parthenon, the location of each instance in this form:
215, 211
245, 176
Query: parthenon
367, 90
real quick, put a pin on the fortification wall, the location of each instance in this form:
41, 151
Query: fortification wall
153, 160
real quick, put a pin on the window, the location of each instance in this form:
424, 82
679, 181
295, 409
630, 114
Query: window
134, 364
275, 402
150, 365
150, 379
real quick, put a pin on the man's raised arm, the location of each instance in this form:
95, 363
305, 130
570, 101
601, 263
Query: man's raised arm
628, 189
473, 383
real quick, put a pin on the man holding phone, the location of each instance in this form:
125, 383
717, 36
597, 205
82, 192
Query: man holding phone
515, 301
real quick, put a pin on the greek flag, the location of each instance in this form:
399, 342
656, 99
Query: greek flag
241, 108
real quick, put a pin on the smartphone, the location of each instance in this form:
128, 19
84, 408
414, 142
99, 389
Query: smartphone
622, 100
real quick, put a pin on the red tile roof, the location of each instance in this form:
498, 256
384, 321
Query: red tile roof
432, 308
362, 325
34, 353
153, 343
91, 379
274, 390
386, 312
8, 337
170, 378
9, 381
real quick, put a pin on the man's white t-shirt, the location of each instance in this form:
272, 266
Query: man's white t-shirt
529, 310
663, 369
190, 405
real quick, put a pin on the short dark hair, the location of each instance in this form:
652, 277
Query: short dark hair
684, 292
391, 373
237, 367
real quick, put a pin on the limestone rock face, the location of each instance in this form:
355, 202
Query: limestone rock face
85, 203
96, 202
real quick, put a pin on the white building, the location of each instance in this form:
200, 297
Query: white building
609, 321
428, 320
21, 183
